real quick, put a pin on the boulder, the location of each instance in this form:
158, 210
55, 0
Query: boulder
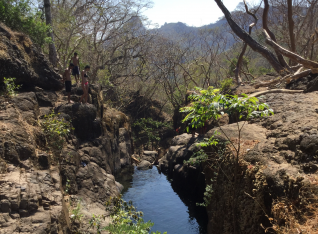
144, 165
182, 139
150, 156
46, 98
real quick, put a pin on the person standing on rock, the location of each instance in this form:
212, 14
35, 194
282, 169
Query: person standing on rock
76, 68
68, 81
84, 77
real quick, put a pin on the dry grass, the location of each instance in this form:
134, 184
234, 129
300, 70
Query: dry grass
299, 216
245, 146
21, 40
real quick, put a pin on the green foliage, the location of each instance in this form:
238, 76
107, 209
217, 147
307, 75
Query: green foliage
210, 104
226, 85
207, 195
18, 15
10, 86
125, 219
76, 213
104, 77
148, 130
56, 129
67, 186
197, 158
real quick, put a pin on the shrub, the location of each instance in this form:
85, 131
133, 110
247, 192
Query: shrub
77, 215
10, 86
56, 130
125, 218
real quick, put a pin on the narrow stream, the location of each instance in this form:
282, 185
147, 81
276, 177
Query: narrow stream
154, 195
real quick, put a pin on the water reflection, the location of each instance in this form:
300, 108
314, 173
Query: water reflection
153, 194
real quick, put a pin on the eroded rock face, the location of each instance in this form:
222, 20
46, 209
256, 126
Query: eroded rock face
30, 193
20, 59
35, 195
282, 162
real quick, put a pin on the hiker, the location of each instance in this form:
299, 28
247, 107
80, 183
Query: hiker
84, 77
76, 69
68, 82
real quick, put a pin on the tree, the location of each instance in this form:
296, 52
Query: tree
277, 62
52, 49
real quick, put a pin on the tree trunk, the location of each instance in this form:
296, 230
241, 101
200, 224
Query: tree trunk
240, 59
249, 40
295, 57
272, 35
48, 17
291, 27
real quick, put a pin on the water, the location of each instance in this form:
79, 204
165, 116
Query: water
153, 194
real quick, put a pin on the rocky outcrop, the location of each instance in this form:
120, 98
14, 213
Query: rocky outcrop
39, 186
20, 59
187, 178
278, 161
31, 195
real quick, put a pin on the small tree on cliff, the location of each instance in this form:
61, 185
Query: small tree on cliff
210, 104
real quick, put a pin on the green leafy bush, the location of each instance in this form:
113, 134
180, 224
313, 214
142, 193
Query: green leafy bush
10, 86
211, 104
77, 215
56, 130
18, 15
125, 218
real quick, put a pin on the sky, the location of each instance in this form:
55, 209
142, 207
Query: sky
191, 12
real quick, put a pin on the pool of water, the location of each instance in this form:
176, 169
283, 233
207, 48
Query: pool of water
154, 195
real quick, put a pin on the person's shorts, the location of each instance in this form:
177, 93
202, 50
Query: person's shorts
75, 71
68, 86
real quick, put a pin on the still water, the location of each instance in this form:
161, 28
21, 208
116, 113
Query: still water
154, 195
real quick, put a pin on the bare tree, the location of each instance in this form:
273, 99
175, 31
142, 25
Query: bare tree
240, 59
278, 65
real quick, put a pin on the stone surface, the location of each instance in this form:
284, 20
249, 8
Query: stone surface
150, 156
144, 165
21, 59
36, 196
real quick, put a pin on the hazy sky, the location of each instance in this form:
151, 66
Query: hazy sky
192, 12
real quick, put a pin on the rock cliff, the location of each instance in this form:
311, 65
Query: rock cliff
39, 189
277, 168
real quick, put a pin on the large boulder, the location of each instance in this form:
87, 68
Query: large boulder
83, 117
144, 165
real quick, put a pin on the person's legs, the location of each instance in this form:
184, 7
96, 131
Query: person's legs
68, 89
75, 72
86, 94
